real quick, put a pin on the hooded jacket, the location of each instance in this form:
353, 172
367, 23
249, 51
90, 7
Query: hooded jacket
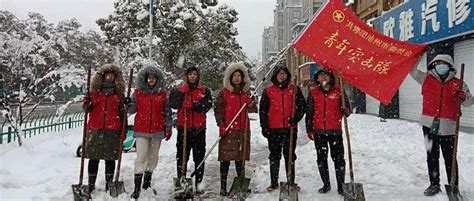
440, 96
106, 111
200, 97
229, 101
323, 114
153, 116
276, 103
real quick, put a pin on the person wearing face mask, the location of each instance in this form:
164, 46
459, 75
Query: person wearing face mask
196, 100
234, 94
441, 97
275, 110
324, 114
106, 110
153, 122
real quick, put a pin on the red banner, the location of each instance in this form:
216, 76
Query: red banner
376, 64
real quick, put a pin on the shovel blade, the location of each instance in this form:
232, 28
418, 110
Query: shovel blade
239, 188
287, 192
453, 193
183, 188
353, 192
116, 188
81, 192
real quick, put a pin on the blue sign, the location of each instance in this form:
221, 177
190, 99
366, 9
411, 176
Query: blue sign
428, 21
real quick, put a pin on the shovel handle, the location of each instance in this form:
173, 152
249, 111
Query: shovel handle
84, 130
456, 133
346, 128
124, 126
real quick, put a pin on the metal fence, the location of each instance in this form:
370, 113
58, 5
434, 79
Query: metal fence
40, 123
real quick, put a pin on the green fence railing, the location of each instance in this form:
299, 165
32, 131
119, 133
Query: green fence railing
40, 123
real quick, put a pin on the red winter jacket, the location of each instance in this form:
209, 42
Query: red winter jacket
150, 117
234, 101
105, 113
194, 119
327, 113
281, 104
440, 99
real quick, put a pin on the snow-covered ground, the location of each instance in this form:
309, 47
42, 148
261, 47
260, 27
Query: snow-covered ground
389, 160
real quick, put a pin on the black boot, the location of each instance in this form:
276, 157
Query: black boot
324, 172
326, 187
138, 185
432, 190
147, 180
340, 177
108, 179
223, 185
92, 179
274, 170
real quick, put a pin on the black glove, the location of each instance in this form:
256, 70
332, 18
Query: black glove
265, 132
293, 121
127, 101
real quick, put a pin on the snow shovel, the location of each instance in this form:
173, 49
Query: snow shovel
288, 191
82, 192
183, 187
240, 185
452, 190
117, 187
352, 191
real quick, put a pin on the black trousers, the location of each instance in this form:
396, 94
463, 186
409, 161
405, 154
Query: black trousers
196, 141
433, 143
93, 168
225, 167
333, 142
278, 142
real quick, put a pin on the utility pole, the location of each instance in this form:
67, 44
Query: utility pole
151, 30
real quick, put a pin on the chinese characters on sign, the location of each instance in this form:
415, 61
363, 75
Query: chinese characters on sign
425, 21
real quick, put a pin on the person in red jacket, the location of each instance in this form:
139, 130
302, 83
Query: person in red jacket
441, 97
153, 122
196, 100
323, 125
275, 110
105, 106
233, 96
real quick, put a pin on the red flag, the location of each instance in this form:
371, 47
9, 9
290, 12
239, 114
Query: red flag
374, 63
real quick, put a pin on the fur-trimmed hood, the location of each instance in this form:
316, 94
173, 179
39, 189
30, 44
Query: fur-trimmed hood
228, 73
96, 84
141, 82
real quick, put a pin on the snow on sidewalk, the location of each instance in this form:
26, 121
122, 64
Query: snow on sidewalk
389, 160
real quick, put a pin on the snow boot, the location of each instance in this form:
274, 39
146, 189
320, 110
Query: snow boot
274, 170
108, 180
223, 185
272, 187
324, 172
340, 177
326, 187
138, 186
92, 179
147, 180
432, 190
